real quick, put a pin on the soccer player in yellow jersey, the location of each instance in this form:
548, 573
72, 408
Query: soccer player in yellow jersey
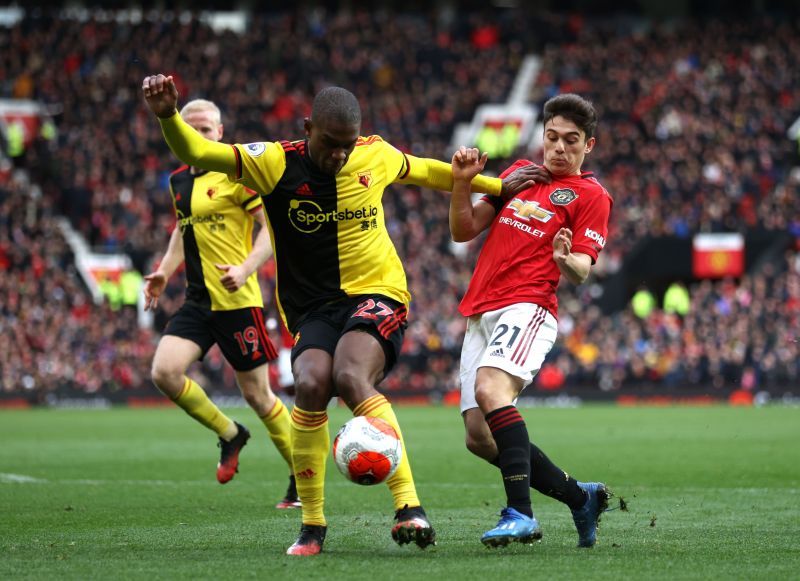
341, 288
214, 237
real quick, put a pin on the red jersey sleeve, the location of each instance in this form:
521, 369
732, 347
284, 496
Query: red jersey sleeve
590, 225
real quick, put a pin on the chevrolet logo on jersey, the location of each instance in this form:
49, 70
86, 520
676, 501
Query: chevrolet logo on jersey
527, 210
308, 217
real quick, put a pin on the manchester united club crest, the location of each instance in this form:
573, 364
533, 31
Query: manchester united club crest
563, 196
365, 178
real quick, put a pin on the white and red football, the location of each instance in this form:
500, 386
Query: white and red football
367, 450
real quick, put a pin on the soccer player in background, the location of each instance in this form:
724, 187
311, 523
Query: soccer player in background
214, 237
539, 235
341, 287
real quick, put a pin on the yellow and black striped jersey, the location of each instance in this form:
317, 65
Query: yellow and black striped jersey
214, 215
328, 232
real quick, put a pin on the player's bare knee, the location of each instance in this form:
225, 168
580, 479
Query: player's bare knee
346, 379
352, 387
168, 380
484, 397
312, 392
255, 391
256, 399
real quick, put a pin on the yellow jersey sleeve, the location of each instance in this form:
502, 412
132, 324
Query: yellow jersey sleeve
248, 199
394, 160
259, 165
193, 149
437, 175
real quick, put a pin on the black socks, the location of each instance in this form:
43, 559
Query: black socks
514, 459
550, 480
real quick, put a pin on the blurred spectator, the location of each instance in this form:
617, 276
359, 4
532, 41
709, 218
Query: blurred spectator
130, 288
643, 302
694, 118
51, 334
676, 299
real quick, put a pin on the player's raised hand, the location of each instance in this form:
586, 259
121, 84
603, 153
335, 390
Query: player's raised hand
234, 278
467, 163
154, 285
562, 244
161, 94
523, 178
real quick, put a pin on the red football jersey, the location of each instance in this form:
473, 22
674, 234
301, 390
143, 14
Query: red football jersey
516, 262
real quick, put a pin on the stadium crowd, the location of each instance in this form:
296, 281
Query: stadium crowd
696, 118
692, 138
51, 332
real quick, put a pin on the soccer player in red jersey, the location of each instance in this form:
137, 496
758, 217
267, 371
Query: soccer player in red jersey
535, 237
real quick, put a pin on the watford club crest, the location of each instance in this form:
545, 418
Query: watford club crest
210, 193
365, 178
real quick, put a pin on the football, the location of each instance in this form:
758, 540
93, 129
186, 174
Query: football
367, 450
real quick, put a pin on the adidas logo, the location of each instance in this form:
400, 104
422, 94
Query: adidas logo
497, 353
307, 473
304, 190
256, 355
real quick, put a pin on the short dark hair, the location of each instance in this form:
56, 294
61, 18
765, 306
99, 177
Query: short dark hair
574, 108
336, 104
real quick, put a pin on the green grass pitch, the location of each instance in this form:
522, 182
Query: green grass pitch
712, 493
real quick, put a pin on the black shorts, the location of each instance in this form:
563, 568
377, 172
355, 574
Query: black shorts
240, 334
381, 317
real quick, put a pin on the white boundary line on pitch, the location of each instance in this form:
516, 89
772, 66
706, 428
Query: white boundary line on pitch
9, 478
6, 478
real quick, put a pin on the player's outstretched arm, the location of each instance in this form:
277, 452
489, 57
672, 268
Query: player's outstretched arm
467, 220
438, 175
435, 174
186, 143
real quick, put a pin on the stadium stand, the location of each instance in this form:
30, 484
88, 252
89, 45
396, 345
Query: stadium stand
693, 138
